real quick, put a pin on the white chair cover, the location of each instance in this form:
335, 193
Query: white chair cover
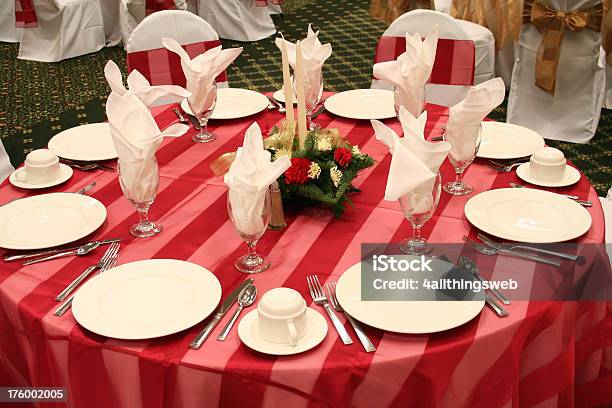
8, 31
238, 20
443, 5
608, 81
112, 22
183, 26
66, 29
572, 113
421, 21
6, 168
132, 12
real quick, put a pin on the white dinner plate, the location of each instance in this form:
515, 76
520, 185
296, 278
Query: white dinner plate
234, 103
571, 176
413, 317
362, 104
280, 96
146, 299
49, 220
527, 215
507, 141
91, 142
248, 331
65, 174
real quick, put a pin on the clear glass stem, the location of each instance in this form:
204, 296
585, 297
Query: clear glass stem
252, 250
416, 232
143, 213
459, 176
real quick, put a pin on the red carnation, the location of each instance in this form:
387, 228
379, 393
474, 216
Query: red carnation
298, 172
342, 156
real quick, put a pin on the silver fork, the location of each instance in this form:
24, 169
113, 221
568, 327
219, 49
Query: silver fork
110, 252
110, 263
487, 250
511, 247
505, 168
316, 292
331, 295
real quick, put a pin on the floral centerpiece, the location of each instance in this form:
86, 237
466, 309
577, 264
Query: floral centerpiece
322, 171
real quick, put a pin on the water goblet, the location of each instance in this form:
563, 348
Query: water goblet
465, 142
313, 90
418, 206
202, 110
139, 182
414, 106
250, 230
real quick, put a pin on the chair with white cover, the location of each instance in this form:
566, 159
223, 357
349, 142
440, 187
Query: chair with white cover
146, 53
66, 29
465, 55
6, 168
132, 12
561, 99
8, 30
238, 20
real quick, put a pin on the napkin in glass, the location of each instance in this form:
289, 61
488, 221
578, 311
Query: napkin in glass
415, 161
201, 71
140, 86
466, 116
314, 55
248, 180
137, 137
411, 70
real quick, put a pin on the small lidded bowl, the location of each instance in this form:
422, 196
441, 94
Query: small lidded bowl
547, 164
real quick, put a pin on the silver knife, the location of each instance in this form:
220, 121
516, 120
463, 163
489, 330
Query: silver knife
194, 121
516, 185
12, 258
496, 307
221, 311
321, 110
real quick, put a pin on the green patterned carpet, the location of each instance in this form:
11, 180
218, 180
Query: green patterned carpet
38, 100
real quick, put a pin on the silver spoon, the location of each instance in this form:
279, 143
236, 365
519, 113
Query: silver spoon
80, 251
245, 299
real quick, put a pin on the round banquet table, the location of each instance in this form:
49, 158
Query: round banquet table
544, 353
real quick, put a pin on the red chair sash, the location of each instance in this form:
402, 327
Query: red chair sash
159, 5
25, 14
454, 64
163, 67
264, 3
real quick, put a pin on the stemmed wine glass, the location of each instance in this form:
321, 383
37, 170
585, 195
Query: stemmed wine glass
414, 107
139, 182
252, 262
465, 142
202, 115
418, 206
313, 90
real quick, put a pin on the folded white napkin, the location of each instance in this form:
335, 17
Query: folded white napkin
139, 85
248, 180
314, 55
415, 161
136, 137
201, 71
411, 70
466, 116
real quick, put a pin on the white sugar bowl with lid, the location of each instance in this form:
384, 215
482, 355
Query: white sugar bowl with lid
547, 164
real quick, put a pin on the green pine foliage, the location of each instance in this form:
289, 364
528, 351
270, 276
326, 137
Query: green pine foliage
322, 189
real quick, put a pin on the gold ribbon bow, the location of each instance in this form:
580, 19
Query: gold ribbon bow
552, 24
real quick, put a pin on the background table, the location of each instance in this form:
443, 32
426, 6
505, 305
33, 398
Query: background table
552, 353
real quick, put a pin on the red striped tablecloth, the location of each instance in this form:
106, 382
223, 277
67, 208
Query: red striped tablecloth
548, 353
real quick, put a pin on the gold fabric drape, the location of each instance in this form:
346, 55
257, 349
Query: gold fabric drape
389, 10
552, 24
502, 17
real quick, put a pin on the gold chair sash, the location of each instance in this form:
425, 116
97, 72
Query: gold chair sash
389, 10
552, 24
